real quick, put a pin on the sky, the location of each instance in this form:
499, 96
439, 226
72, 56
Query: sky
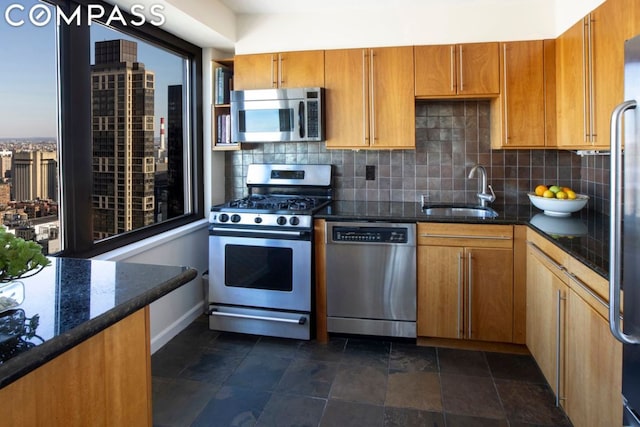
28, 74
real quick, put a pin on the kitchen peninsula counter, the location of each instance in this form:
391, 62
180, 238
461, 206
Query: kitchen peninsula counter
78, 348
584, 234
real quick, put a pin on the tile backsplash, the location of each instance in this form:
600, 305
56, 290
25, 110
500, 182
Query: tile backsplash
451, 136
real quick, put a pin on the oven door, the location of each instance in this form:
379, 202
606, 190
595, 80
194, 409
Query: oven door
272, 272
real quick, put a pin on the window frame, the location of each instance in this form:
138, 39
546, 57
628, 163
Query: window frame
75, 123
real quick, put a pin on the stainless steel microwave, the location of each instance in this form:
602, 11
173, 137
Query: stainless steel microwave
278, 115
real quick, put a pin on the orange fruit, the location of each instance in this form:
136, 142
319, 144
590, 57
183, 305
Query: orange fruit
566, 189
548, 194
540, 189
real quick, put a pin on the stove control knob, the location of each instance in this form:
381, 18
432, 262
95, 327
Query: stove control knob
257, 220
281, 220
294, 220
235, 218
223, 217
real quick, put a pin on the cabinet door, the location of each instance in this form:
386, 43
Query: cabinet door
478, 69
572, 104
347, 104
392, 102
546, 296
611, 25
523, 94
301, 69
490, 294
440, 290
255, 71
435, 70
594, 367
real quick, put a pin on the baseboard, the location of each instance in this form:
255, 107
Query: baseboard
160, 339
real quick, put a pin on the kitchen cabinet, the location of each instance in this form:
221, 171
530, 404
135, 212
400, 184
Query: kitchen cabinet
370, 100
523, 116
221, 108
568, 335
104, 381
590, 74
465, 281
279, 70
546, 308
462, 70
593, 362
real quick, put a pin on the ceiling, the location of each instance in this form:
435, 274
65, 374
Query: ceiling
251, 7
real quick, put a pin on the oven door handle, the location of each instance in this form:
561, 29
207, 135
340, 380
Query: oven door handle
247, 231
301, 321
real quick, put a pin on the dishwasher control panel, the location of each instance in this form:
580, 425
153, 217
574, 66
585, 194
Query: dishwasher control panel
370, 234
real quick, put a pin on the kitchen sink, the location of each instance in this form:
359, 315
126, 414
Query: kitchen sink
460, 211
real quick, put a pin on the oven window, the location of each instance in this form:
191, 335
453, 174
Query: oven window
259, 267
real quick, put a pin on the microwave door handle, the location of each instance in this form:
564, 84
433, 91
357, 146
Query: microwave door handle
301, 125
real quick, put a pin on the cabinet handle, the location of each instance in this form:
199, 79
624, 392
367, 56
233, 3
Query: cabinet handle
585, 78
505, 103
592, 124
470, 299
461, 71
274, 82
365, 130
372, 100
560, 298
588, 290
280, 70
464, 236
460, 274
545, 256
615, 244
452, 77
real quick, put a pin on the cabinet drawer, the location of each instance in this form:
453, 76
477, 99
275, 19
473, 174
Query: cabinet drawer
549, 248
469, 235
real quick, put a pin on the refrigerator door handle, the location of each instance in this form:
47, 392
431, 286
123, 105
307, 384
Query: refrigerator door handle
615, 246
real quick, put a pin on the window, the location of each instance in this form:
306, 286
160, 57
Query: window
138, 105
29, 190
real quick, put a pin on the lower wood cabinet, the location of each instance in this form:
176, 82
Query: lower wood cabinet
568, 335
104, 381
465, 281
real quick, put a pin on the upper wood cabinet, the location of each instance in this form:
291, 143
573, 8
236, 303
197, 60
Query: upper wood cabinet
370, 98
279, 70
463, 70
465, 281
523, 116
590, 74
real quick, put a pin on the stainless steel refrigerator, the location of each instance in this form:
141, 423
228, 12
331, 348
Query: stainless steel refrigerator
624, 250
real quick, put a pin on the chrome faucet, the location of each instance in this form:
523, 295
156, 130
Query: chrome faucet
483, 195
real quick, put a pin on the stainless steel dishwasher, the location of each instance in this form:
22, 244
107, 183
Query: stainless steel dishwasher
371, 278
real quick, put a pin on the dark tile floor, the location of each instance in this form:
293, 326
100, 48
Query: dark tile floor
208, 378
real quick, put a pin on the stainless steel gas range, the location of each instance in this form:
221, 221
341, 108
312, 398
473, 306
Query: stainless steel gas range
260, 252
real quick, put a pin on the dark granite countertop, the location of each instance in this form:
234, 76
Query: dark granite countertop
584, 234
72, 300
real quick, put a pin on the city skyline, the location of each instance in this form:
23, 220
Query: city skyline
28, 76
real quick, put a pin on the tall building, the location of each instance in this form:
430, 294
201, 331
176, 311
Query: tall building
34, 175
5, 164
175, 138
123, 129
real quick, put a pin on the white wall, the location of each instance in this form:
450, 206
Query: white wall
430, 23
188, 246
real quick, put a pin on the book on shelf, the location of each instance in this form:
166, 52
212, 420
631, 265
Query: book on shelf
223, 129
223, 85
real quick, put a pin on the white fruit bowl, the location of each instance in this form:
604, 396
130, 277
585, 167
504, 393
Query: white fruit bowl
559, 207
